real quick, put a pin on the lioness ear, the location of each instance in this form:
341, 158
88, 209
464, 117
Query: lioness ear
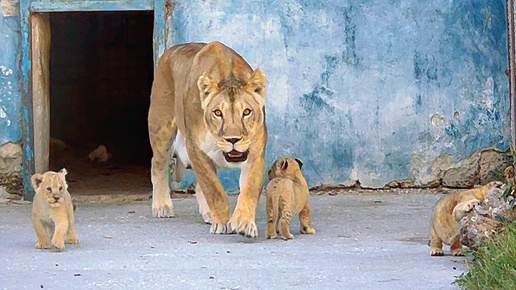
299, 162
206, 87
256, 82
36, 180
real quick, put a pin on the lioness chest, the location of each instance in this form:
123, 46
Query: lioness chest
208, 144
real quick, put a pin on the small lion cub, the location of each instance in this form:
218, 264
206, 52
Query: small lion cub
287, 195
52, 210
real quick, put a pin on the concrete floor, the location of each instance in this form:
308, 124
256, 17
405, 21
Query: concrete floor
362, 242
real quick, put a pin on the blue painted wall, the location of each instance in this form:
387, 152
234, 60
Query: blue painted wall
10, 100
354, 85
372, 90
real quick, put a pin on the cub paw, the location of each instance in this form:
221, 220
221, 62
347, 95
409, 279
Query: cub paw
59, 244
287, 236
307, 230
72, 240
243, 225
458, 252
437, 252
42, 245
271, 234
162, 209
220, 228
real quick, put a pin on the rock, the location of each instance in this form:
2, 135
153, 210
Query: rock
482, 224
492, 165
460, 177
433, 179
392, 184
477, 230
10, 158
100, 154
407, 183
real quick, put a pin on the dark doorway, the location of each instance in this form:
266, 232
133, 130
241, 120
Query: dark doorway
101, 71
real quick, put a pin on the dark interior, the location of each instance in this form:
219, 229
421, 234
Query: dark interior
101, 71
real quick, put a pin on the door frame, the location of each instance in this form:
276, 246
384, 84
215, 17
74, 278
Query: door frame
37, 151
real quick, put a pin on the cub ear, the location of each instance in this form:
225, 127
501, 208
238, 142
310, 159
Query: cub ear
284, 165
206, 87
63, 172
256, 82
36, 180
299, 162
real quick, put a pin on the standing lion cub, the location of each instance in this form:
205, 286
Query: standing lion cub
52, 210
447, 213
287, 195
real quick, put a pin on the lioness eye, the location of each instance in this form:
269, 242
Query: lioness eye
217, 113
247, 112
60, 188
49, 189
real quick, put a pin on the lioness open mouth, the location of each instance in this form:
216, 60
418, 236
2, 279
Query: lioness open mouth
236, 156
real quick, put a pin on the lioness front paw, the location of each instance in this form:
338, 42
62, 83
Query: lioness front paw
59, 244
220, 228
243, 225
162, 209
206, 217
40, 245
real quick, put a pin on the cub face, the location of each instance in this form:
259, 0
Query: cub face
233, 112
285, 167
51, 185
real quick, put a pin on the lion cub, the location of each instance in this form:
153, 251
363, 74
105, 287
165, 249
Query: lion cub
52, 210
287, 195
447, 213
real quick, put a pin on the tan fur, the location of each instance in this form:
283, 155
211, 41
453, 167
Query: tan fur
206, 102
52, 211
287, 195
449, 210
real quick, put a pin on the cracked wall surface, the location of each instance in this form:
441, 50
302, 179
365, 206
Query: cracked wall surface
369, 90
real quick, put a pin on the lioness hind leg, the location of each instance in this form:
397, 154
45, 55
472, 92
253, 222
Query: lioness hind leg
204, 209
305, 219
161, 143
456, 248
162, 132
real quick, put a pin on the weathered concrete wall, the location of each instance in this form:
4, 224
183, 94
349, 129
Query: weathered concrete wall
368, 90
10, 100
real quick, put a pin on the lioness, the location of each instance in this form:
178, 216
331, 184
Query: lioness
287, 195
449, 210
207, 107
52, 210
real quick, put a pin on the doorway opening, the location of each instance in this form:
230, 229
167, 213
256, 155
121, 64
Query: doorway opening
101, 72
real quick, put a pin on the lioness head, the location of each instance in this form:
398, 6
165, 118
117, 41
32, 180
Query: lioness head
233, 112
285, 167
51, 185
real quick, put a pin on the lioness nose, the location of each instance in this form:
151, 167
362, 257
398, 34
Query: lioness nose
233, 140
56, 198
